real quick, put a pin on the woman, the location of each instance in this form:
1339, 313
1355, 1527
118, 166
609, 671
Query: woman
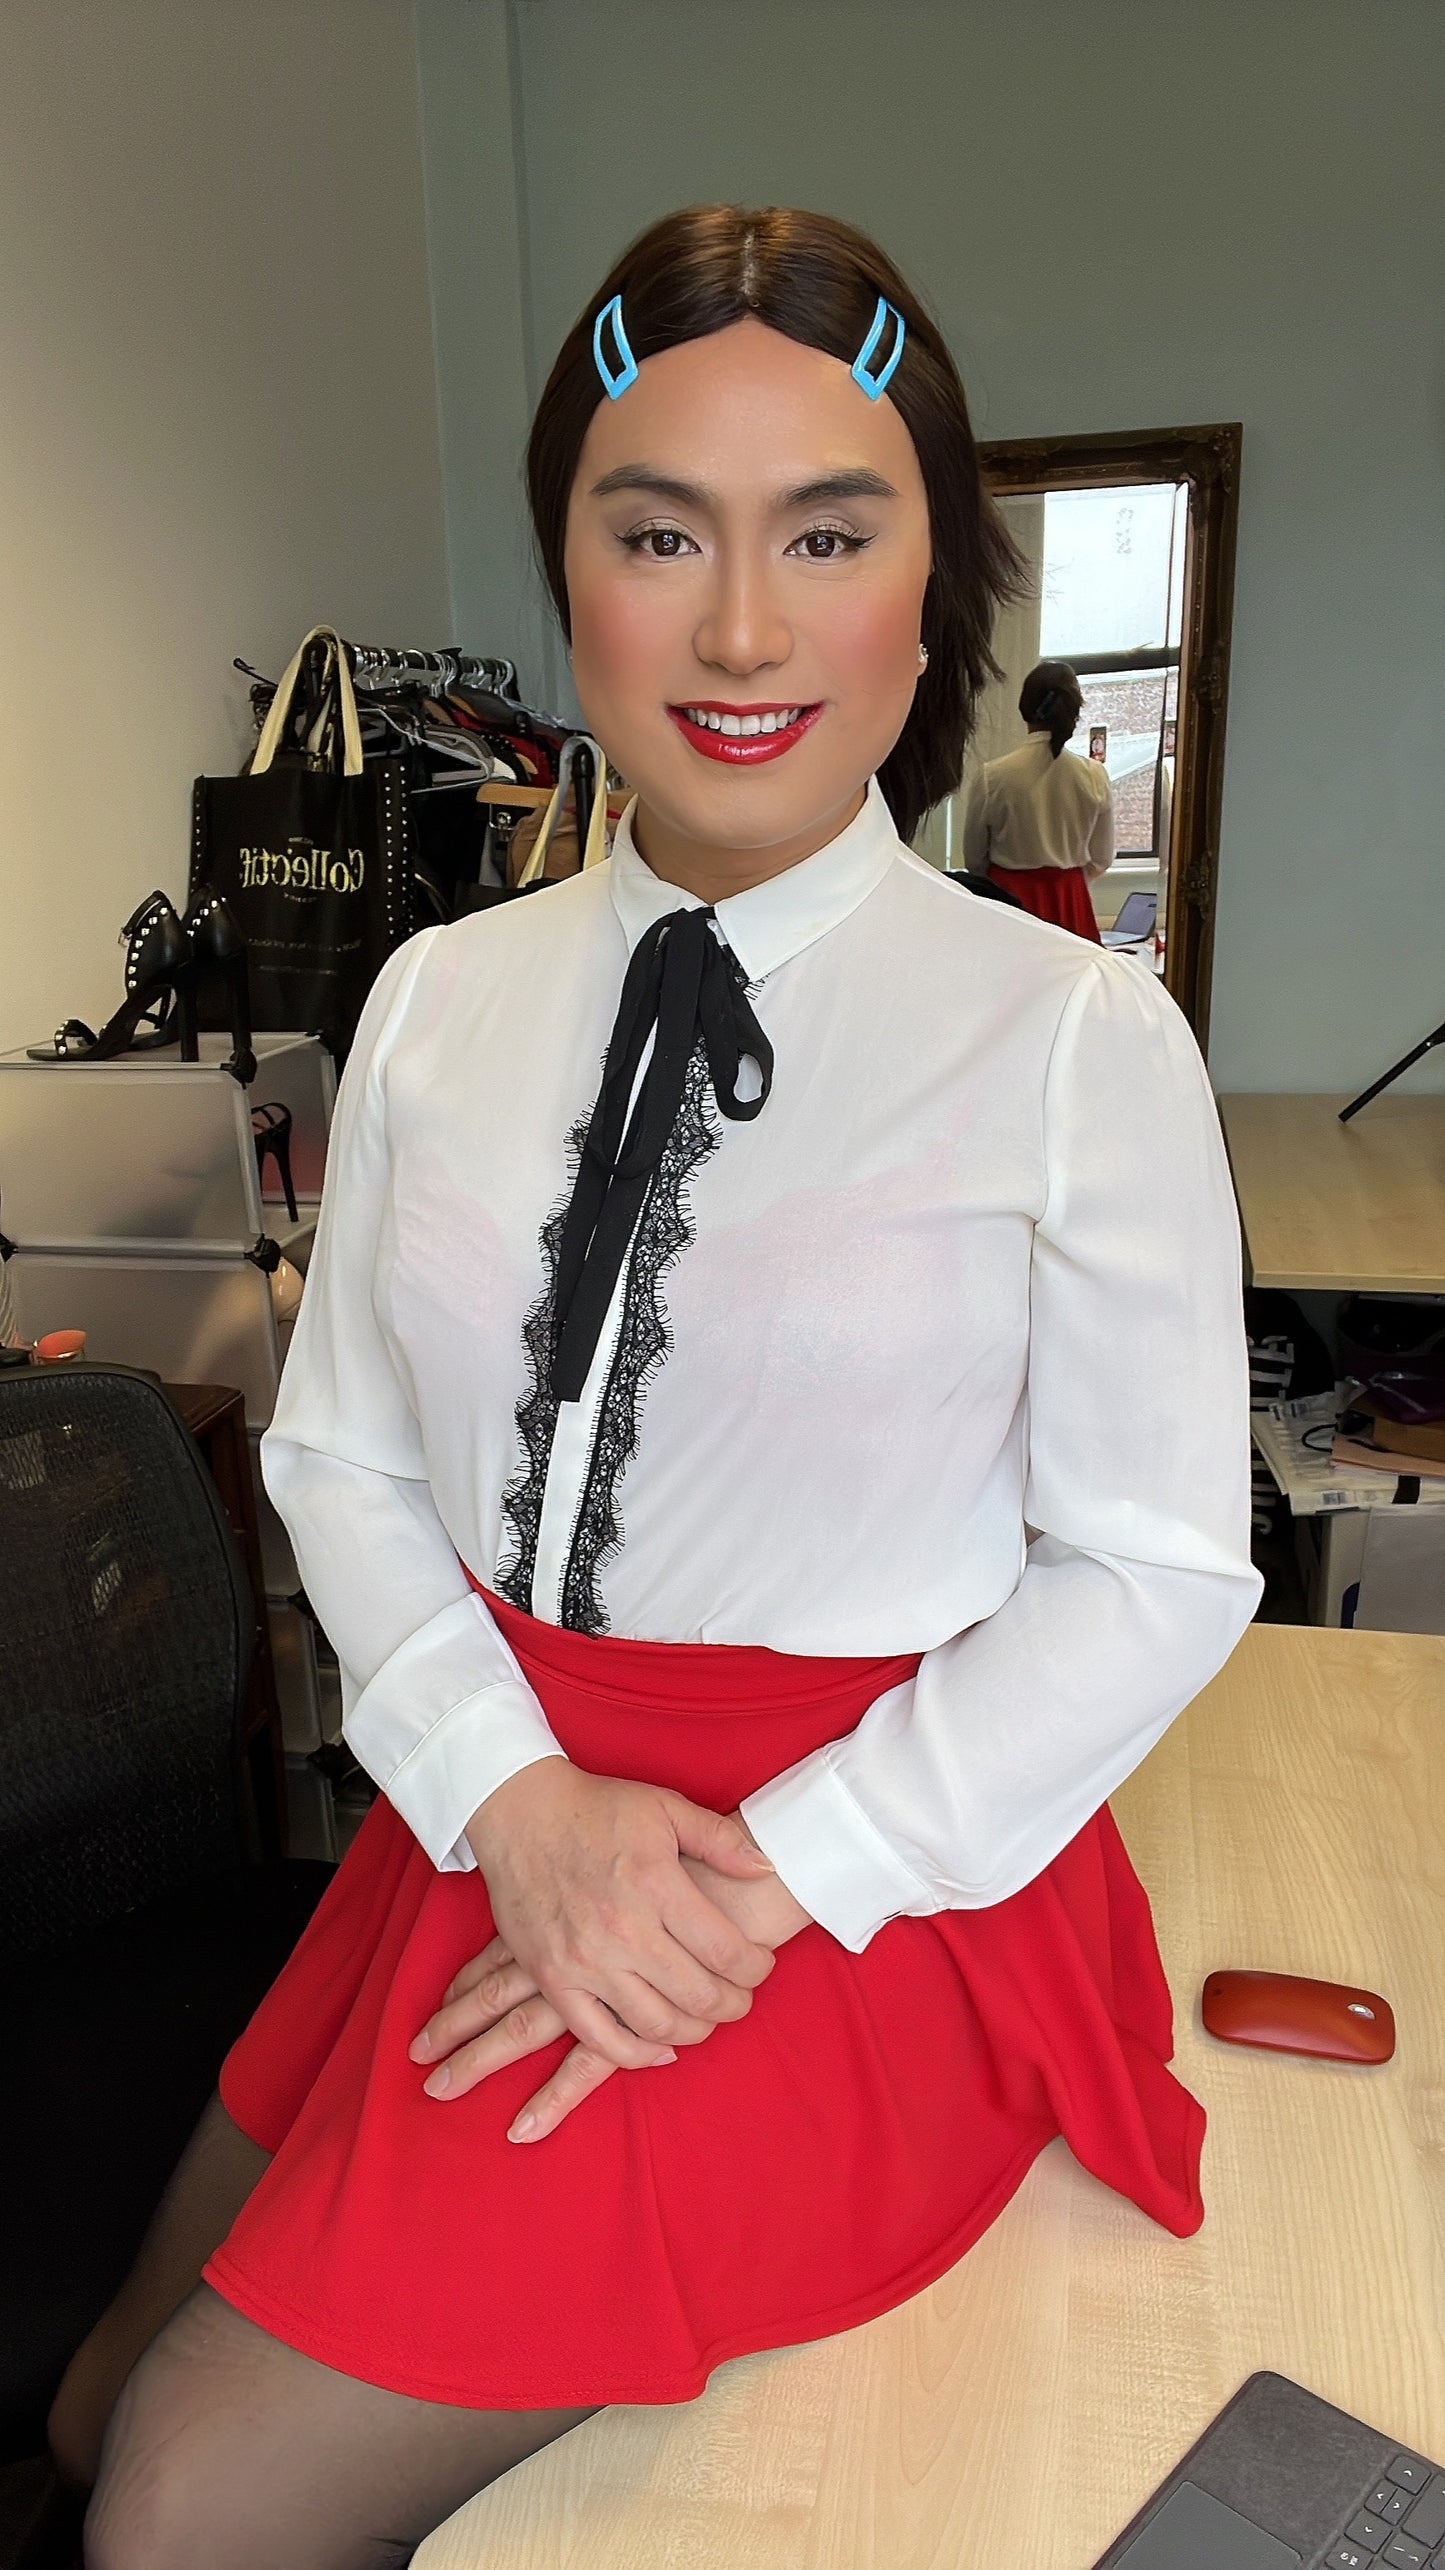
663, 1458
1039, 823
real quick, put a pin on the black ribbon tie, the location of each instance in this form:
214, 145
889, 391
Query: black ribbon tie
682, 981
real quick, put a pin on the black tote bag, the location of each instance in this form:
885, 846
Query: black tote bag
313, 859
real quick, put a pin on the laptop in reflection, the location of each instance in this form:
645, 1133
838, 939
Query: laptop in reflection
1137, 915
1281, 2481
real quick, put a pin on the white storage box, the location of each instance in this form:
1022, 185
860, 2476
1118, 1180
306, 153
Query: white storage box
151, 1152
131, 1188
190, 1320
1378, 1569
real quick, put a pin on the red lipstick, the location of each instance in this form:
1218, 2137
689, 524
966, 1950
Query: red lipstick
748, 748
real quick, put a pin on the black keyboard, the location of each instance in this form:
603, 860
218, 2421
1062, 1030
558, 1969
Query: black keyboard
1282, 2480
1400, 2521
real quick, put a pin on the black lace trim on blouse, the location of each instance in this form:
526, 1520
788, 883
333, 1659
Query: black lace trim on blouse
644, 1342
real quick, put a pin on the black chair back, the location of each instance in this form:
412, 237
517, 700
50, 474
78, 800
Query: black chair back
125, 1627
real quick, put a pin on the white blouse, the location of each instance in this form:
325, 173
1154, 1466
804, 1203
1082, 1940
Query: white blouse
942, 1352
1032, 809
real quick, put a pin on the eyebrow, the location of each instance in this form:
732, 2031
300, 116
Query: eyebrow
858, 483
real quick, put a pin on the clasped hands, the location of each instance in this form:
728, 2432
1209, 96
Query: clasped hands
625, 1914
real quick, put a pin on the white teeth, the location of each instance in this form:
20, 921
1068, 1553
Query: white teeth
743, 726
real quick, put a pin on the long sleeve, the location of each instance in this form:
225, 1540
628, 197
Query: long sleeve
957, 1788
1101, 837
975, 826
434, 1703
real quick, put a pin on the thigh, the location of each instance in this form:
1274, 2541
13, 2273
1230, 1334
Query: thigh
211, 2181
230, 2448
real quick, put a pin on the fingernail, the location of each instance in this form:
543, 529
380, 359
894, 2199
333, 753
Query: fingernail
524, 2125
667, 2056
439, 2082
419, 2048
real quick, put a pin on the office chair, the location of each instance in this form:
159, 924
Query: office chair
135, 1939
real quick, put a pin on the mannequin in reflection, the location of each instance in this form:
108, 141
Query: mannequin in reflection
1041, 821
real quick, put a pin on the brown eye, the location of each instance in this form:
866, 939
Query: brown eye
829, 543
658, 543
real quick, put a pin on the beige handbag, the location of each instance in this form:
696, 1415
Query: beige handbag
535, 868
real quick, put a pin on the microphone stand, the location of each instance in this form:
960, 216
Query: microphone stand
1363, 1100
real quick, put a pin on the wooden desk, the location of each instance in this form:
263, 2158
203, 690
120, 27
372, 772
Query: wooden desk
1020, 2409
1341, 1208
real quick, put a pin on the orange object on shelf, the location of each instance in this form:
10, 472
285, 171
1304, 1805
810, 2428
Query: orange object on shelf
60, 1347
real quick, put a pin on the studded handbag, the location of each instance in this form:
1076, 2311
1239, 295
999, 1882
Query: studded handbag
311, 851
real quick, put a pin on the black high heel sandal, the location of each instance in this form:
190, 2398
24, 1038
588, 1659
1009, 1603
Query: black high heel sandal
160, 995
271, 1126
218, 948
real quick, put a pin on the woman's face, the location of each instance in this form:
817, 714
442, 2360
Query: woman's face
747, 539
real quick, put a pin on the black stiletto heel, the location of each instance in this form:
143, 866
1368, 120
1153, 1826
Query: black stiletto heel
218, 947
271, 1126
157, 968
186, 1015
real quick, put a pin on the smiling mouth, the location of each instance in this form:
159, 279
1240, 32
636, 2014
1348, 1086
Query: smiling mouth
743, 735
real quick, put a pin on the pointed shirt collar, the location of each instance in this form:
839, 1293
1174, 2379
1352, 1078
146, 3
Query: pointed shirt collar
769, 924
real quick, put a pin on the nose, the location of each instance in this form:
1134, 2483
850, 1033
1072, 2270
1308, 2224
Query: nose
742, 627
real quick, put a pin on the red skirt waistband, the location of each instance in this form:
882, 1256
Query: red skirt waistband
705, 1677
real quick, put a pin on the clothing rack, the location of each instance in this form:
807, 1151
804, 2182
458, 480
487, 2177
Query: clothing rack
463, 723
384, 665
378, 668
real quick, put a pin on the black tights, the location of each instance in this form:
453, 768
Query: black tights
222, 2445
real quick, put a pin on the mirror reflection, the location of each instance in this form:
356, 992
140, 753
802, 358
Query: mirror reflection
1105, 599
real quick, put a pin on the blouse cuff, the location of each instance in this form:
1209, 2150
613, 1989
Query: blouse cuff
457, 1756
830, 1855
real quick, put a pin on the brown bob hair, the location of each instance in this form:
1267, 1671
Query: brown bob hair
818, 281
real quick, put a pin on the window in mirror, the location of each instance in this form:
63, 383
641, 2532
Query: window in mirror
1130, 537
1111, 602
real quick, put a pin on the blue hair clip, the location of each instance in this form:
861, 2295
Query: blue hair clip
873, 385
613, 384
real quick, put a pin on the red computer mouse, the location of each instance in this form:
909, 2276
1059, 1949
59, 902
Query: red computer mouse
1285, 2014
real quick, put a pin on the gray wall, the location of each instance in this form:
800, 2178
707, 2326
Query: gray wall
218, 423
1142, 214
469, 63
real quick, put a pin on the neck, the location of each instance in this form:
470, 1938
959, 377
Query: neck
714, 874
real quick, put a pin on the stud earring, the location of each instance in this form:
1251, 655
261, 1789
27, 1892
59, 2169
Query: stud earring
923, 655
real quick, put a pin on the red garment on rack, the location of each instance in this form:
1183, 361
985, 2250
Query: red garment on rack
804, 2168
1060, 893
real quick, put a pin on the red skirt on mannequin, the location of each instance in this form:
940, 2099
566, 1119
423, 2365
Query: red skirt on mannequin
806, 2167
1060, 893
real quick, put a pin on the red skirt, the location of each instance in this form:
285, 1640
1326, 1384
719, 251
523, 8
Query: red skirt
1059, 893
804, 2168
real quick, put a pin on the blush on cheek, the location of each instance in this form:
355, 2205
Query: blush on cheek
627, 633
624, 645
872, 642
